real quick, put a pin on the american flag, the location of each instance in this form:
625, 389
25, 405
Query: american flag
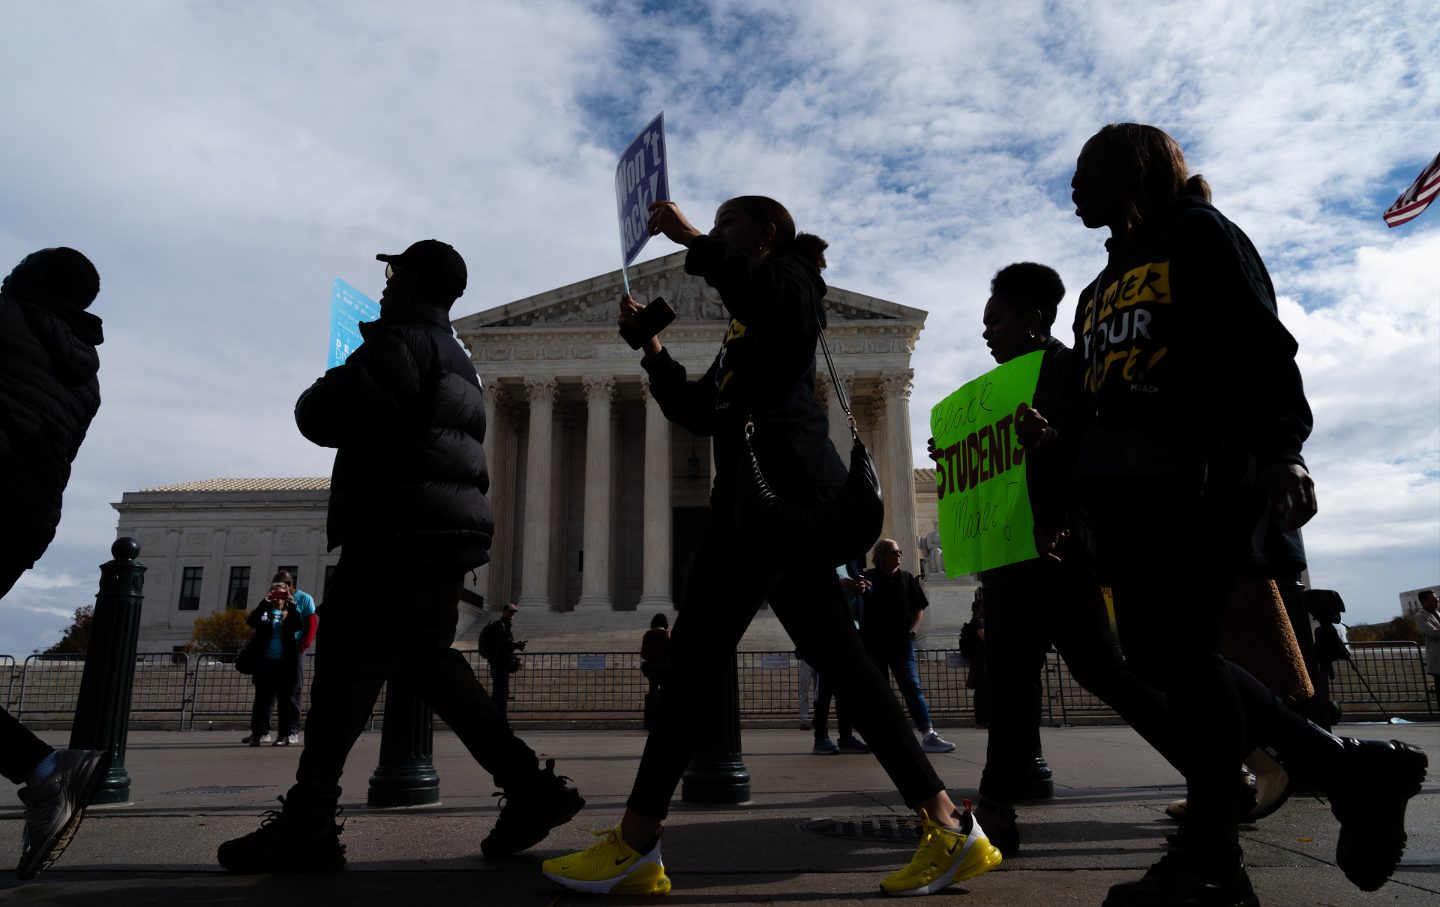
1417, 198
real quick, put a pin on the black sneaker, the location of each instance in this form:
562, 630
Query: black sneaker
1179, 881
1376, 780
852, 745
286, 843
55, 807
528, 813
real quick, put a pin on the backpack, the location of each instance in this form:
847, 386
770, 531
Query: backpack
971, 645
492, 642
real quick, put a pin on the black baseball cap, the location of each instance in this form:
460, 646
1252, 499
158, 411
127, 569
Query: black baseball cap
438, 265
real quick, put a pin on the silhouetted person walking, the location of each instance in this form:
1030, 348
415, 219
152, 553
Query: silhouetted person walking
49, 392
409, 512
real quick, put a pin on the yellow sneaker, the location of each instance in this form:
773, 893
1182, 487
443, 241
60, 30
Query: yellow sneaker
610, 866
945, 855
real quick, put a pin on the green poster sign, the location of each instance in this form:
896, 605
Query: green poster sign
985, 518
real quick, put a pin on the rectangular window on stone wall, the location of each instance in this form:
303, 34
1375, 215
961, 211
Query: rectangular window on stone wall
190, 589
238, 595
294, 572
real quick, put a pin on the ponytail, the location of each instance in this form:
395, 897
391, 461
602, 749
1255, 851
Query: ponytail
810, 248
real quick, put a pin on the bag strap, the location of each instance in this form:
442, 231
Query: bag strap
835, 384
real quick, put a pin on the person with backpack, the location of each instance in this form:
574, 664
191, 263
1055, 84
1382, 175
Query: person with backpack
498, 647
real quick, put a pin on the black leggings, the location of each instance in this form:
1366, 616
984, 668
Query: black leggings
1035, 605
728, 582
1218, 712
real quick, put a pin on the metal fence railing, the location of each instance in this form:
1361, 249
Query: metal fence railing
9, 678
1381, 680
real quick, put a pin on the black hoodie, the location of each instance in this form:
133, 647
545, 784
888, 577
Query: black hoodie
1187, 355
765, 370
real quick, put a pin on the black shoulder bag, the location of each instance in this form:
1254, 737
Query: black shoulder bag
835, 532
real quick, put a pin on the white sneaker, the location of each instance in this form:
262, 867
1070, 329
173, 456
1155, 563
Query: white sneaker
268, 738
293, 739
934, 743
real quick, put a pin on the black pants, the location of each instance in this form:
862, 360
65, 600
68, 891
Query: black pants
729, 580
823, 695
1169, 631
274, 685
389, 614
20, 750
500, 688
1036, 605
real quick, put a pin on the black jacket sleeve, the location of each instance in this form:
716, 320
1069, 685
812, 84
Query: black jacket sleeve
365, 398
1258, 384
689, 404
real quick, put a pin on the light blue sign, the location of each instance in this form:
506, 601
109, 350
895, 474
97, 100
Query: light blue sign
641, 178
348, 307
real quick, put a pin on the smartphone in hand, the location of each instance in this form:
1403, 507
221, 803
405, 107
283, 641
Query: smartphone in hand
651, 321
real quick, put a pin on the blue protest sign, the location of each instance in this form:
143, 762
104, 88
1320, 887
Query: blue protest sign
348, 307
640, 180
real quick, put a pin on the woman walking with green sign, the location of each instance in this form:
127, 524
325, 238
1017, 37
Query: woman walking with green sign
1051, 599
1189, 422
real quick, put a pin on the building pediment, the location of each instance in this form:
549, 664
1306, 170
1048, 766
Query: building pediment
592, 303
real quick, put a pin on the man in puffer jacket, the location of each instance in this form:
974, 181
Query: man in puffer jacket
408, 510
49, 392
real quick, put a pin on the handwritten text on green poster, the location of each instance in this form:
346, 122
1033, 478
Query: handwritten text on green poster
985, 519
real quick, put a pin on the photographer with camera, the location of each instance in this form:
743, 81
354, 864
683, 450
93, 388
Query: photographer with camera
276, 621
498, 647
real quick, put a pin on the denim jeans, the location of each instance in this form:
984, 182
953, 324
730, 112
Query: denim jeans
901, 663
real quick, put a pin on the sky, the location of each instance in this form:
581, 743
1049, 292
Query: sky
223, 162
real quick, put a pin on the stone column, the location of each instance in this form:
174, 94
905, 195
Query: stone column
535, 559
656, 577
839, 426
898, 480
491, 392
595, 580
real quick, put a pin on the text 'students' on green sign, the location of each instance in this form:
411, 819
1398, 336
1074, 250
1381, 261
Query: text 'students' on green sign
985, 517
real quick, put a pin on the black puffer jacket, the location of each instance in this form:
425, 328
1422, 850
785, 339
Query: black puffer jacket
49, 392
408, 417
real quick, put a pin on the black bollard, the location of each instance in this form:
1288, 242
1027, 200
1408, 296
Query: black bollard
102, 711
406, 774
717, 774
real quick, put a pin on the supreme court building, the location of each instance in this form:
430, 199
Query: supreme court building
599, 501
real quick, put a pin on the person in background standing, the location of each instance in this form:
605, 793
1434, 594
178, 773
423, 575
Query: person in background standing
655, 662
498, 647
894, 606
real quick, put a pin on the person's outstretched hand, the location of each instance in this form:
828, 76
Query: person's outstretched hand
629, 309
666, 217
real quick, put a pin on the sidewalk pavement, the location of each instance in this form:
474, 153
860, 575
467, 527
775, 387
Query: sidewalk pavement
1106, 824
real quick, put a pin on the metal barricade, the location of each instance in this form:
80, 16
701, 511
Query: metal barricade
1383, 679
8, 675
593, 683
49, 686
162, 686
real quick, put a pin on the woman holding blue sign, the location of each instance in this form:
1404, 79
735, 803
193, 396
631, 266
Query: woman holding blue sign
768, 278
1189, 423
